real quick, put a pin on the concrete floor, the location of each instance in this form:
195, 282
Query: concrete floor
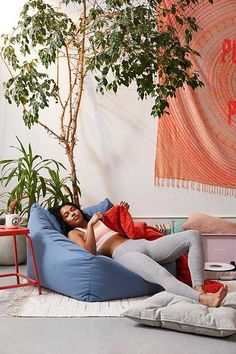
100, 336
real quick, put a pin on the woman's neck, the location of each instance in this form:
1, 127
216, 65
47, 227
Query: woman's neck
83, 224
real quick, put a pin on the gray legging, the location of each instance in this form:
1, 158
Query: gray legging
147, 257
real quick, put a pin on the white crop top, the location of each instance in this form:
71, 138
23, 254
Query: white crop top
102, 233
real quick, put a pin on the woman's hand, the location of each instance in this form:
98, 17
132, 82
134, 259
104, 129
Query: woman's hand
124, 204
95, 218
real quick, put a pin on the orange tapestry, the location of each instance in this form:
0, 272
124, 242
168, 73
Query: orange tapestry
196, 145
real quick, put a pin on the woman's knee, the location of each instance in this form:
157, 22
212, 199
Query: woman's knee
193, 235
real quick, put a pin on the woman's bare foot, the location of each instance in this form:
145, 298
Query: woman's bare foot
199, 288
213, 299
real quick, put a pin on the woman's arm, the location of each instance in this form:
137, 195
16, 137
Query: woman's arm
88, 241
77, 237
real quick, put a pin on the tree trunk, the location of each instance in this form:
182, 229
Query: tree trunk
69, 153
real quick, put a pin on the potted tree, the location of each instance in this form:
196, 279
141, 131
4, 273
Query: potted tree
122, 42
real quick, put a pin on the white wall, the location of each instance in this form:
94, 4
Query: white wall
116, 150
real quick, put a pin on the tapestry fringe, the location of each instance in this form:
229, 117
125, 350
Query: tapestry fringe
199, 187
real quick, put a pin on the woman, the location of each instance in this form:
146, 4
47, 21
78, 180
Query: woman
141, 256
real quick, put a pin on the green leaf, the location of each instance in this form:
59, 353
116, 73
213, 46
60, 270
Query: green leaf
31, 175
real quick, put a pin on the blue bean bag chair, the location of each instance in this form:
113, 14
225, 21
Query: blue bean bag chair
68, 269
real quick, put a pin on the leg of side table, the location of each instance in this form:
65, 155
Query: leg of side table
16, 260
34, 263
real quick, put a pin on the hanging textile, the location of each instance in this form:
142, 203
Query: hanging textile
196, 145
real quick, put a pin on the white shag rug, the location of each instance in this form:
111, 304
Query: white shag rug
25, 302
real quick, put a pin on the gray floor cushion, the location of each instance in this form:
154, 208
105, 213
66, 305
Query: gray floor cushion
182, 314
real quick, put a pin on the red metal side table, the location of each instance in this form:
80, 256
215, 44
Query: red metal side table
14, 233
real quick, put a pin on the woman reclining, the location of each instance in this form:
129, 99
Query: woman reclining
141, 256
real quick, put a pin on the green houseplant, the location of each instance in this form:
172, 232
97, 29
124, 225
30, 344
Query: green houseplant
32, 179
121, 41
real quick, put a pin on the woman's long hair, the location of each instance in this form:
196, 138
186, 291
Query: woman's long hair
65, 228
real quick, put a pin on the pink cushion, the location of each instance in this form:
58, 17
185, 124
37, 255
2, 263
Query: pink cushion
209, 224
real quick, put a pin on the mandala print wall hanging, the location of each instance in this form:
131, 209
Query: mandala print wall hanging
196, 145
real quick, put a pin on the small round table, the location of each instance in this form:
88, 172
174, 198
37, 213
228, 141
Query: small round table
31, 282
